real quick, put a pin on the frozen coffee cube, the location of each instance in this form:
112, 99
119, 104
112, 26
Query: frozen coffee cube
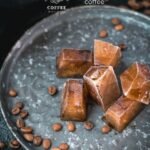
73, 105
135, 83
106, 53
73, 62
121, 113
102, 85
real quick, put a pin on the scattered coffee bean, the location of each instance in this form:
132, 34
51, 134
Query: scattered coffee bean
12, 93
15, 111
145, 3
105, 129
14, 144
26, 129
134, 5
52, 90
64, 146
23, 114
88, 125
119, 27
115, 21
28, 137
56, 127
20, 123
46, 144
56, 148
37, 140
71, 126
122, 46
2, 145
103, 33
19, 105
147, 12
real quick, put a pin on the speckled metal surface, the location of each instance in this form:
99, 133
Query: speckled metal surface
30, 69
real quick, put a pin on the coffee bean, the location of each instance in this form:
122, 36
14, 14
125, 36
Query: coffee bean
23, 114
115, 21
52, 90
56, 127
119, 27
105, 129
88, 125
71, 126
26, 129
122, 46
12, 93
15, 111
64, 146
134, 5
37, 140
28, 137
147, 12
14, 144
20, 123
2, 145
56, 148
19, 105
145, 3
103, 33
46, 144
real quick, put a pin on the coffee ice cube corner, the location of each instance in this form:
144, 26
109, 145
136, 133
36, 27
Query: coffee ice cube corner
73, 62
106, 53
135, 82
102, 85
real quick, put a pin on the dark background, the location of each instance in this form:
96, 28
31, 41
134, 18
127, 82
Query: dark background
16, 16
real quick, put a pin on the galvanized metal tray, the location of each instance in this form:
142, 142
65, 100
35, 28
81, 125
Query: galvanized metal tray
30, 69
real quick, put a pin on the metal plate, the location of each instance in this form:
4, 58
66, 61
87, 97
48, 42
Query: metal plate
30, 69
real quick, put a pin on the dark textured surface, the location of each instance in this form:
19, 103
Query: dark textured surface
30, 74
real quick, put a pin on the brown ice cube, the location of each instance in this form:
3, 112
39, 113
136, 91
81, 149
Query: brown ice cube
121, 113
102, 85
106, 53
73, 105
73, 62
135, 82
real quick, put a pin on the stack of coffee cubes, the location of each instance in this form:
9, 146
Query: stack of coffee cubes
101, 84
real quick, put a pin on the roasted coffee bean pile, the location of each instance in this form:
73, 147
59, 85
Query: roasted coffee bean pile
138, 5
